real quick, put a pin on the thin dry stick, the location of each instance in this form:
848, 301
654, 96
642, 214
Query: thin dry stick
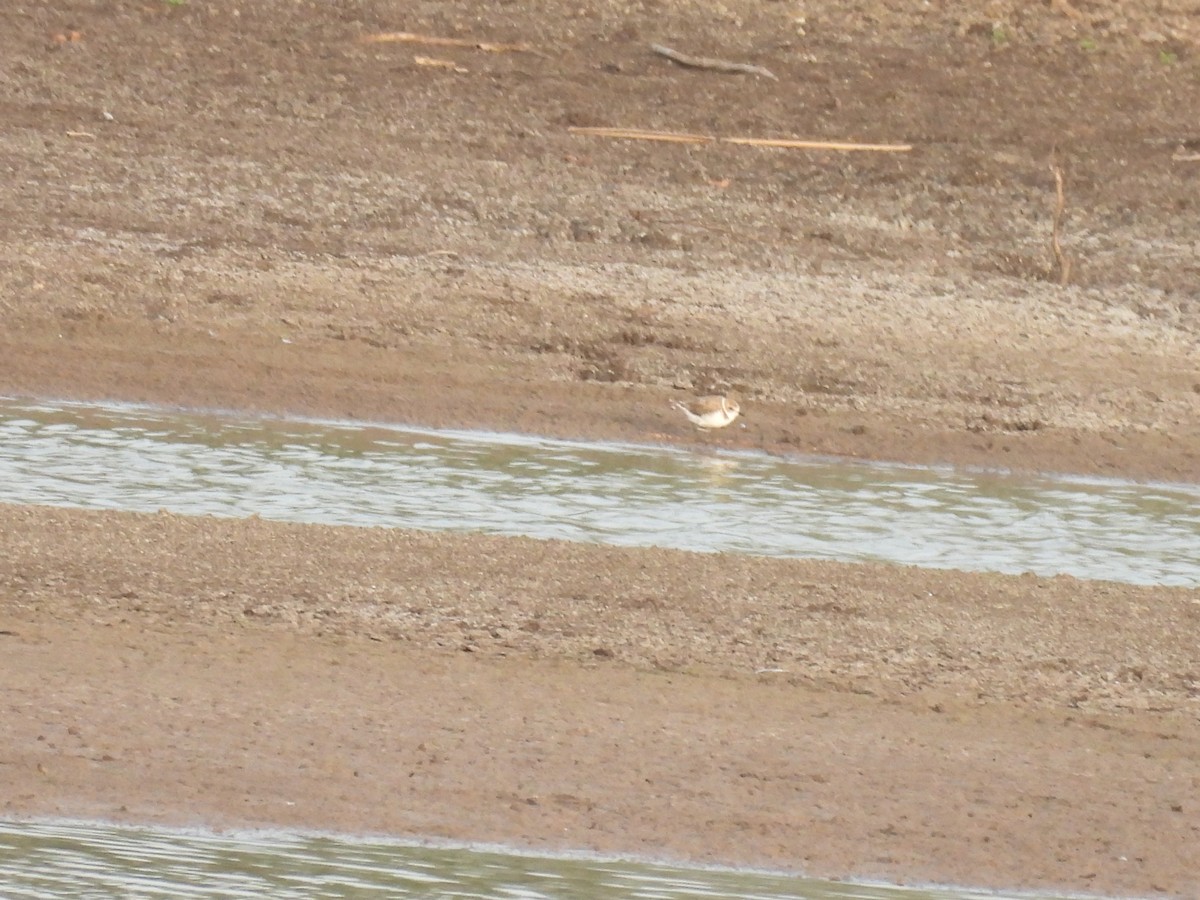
716, 65
1063, 261
440, 64
407, 37
637, 134
818, 145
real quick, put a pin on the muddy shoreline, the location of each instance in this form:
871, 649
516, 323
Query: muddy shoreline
442, 386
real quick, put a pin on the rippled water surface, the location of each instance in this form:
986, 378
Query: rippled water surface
52, 860
117, 457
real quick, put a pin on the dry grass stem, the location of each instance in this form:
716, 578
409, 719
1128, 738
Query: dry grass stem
1060, 205
439, 64
818, 145
637, 134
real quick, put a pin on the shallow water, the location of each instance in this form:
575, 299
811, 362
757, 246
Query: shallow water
77, 860
121, 457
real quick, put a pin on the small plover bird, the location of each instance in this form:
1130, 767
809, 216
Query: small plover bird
709, 412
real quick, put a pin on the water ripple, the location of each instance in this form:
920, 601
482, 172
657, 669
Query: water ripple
88, 860
119, 457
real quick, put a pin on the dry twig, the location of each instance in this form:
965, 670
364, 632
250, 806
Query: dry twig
439, 64
716, 65
818, 145
1061, 259
637, 134
407, 37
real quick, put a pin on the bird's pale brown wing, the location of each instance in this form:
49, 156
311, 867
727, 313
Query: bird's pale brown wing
704, 405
